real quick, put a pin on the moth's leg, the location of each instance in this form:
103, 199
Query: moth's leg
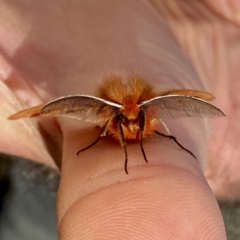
103, 134
123, 143
166, 128
142, 129
91, 145
170, 136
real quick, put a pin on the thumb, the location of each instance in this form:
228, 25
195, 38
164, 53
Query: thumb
168, 198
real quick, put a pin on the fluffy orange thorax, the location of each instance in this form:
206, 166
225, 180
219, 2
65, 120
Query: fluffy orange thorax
129, 95
135, 91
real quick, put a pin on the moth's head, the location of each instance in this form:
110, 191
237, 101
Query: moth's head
130, 112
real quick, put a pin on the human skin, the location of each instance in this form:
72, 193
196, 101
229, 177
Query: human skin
59, 48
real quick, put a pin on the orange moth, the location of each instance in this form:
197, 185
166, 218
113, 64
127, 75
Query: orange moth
128, 111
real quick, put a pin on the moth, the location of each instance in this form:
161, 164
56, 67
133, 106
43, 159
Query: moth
128, 110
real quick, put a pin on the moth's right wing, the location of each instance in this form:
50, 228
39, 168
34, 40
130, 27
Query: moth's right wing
80, 107
178, 106
189, 92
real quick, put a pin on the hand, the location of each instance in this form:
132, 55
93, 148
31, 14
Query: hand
54, 49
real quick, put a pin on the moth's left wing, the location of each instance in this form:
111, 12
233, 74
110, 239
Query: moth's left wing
178, 106
29, 112
85, 107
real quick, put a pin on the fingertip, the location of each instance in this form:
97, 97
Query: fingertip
168, 197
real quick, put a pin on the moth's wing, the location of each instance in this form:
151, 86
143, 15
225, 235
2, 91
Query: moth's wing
187, 92
178, 106
85, 107
30, 112
76, 106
